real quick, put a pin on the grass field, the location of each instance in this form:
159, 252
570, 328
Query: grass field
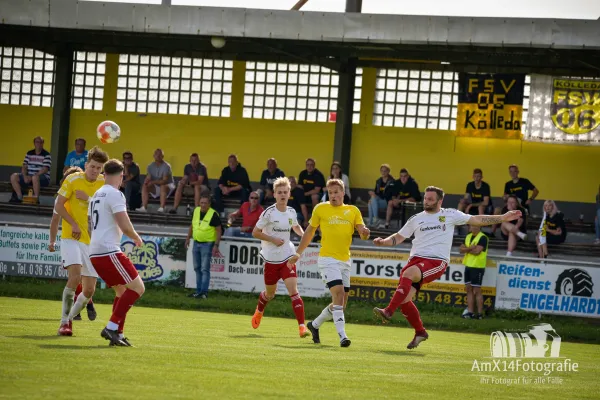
192, 354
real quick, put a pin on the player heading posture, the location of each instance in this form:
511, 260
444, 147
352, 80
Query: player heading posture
433, 229
273, 228
337, 221
108, 221
71, 205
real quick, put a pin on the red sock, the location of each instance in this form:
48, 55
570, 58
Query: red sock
411, 313
298, 307
91, 301
400, 295
115, 302
77, 292
262, 301
122, 323
125, 303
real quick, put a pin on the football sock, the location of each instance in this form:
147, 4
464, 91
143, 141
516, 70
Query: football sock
122, 323
78, 291
325, 315
298, 307
399, 295
67, 303
78, 306
262, 302
125, 303
411, 313
339, 321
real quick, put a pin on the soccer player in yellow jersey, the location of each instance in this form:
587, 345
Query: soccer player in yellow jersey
72, 206
338, 222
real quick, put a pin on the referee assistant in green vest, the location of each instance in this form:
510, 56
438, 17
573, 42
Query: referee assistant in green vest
475, 250
206, 232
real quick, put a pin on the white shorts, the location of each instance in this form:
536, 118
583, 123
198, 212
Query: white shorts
334, 270
156, 193
74, 252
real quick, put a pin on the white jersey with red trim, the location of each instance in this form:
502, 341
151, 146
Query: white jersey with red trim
106, 234
433, 232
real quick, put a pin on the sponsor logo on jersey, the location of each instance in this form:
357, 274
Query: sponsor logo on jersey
432, 228
335, 220
290, 221
442, 219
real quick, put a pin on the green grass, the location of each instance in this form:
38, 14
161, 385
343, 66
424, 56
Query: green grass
192, 354
434, 316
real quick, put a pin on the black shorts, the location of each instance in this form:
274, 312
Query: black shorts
474, 276
489, 210
554, 239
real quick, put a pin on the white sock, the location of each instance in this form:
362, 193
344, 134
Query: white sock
323, 317
67, 303
121, 336
112, 326
509, 254
339, 321
80, 303
521, 235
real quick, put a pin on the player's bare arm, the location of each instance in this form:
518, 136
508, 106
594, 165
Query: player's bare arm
309, 233
484, 220
389, 241
126, 227
259, 234
89, 219
363, 231
298, 229
63, 213
53, 232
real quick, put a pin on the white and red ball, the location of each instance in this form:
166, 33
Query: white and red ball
108, 132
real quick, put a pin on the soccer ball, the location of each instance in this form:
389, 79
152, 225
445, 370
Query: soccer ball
108, 132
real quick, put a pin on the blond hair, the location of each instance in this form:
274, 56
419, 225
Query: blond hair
283, 181
555, 209
335, 182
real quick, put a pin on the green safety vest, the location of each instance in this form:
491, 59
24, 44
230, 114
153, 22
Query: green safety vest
472, 260
201, 229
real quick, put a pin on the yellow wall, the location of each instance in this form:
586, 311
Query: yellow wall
561, 172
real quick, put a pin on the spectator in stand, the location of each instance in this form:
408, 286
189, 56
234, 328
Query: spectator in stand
205, 230
399, 192
477, 200
35, 171
552, 230
597, 219
234, 182
377, 199
336, 173
297, 202
267, 178
514, 230
520, 187
77, 157
195, 179
250, 212
311, 180
131, 181
159, 181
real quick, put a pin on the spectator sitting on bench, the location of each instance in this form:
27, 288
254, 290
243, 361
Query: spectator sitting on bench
77, 157
377, 199
250, 212
514, 230
297, 202
34, 172
267, 178
194, 180
159, 181
553, 229
312, 181
336, 173
399, 192
234, 182
477, 200
131, 181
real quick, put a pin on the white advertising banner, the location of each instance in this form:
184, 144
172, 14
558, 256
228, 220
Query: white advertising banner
549, 289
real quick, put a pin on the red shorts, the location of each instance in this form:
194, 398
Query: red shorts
114, 269
431, 269
274, 272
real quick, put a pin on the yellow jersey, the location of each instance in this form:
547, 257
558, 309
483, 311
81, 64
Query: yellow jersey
337, 227
78, 209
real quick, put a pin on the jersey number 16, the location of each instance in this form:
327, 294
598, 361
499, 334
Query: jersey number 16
95, 214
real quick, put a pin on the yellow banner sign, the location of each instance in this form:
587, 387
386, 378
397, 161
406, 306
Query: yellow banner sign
575, 107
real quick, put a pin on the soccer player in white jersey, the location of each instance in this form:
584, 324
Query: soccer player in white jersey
273, 229
108, 221
433, 230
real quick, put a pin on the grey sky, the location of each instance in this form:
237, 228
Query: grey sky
575, 9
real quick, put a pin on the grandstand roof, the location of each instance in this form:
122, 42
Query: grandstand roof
539, 45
